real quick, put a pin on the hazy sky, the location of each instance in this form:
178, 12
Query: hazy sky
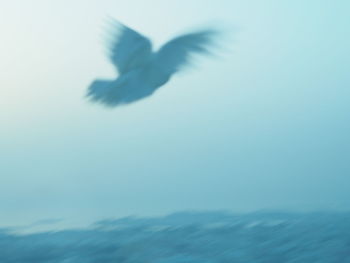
263, 126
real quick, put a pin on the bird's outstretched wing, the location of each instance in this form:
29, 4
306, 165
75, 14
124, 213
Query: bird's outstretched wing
128, 49
176, 53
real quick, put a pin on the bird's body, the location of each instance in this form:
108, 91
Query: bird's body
142, 71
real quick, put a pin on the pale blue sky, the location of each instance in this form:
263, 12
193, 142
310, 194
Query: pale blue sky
265, 125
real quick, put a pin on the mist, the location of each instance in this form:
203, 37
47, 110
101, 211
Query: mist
263, 126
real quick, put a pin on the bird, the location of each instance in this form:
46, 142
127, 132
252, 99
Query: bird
141, 70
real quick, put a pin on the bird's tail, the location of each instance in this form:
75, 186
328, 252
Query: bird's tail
102, 91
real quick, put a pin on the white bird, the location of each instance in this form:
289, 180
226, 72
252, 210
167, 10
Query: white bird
142, 71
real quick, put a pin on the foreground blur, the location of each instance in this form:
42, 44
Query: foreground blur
190, 237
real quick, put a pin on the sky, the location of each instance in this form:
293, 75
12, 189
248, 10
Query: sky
263, 125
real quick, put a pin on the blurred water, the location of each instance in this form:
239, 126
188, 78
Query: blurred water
272, 237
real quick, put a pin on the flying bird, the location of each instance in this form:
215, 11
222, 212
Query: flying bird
141, 71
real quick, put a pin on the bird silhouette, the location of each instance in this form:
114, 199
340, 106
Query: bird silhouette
142, 71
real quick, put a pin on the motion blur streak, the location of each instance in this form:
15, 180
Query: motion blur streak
215, 237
